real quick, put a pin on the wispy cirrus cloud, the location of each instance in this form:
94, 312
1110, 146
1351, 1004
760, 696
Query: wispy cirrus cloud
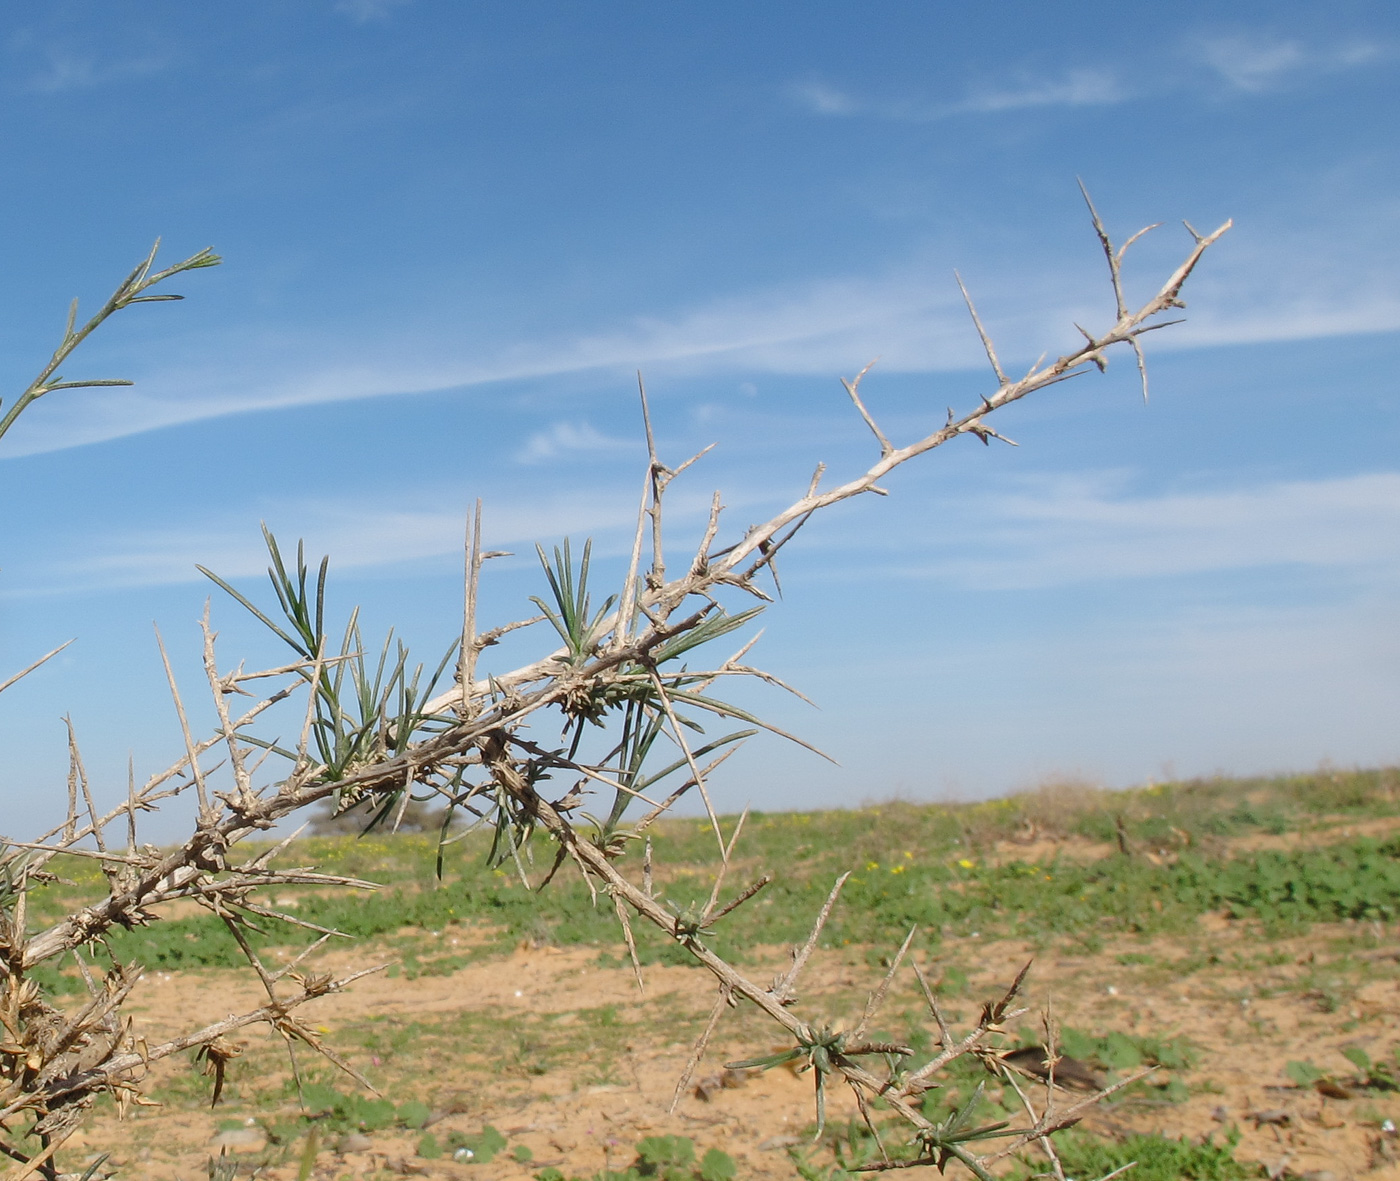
1248, 62
1268, 280
64, 71
912, 319
1047, 531
1066, 530
1257, 62
1073, 88
364, 11
359, 536
568, 438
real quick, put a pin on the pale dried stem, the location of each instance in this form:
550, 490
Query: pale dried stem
1065, 1118
1044, 1142
290, 1031
651, 817
981, 332
466, 660
130, 803
657, 473
864, 1108
853, 389
190, 753
708, 539
35, 1163
782, 985
877, 998
514, 698
701, 1043
24, 672
309, 717
626, 924
303, 955
945, 1035
70, 825
726, 851
241, 780
627, 608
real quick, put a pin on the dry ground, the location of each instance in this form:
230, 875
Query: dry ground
570, 1062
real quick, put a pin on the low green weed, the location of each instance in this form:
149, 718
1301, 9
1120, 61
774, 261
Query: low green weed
1124, 1052
1371, 1074
479, 1148
1158, 1158
667, 1158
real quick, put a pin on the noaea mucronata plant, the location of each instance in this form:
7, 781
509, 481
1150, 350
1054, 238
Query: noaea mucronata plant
378, 736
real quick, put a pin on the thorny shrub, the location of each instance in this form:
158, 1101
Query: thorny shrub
623, 678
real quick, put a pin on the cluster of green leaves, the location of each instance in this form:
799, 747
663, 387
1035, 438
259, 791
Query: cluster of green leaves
330, 1111
1125, 1051
365, 711
1159, 1158
667, 1158
1370, 1074
474, 1148
327, 1111
359, 1112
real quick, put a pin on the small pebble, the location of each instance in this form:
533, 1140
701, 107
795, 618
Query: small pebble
354, 1142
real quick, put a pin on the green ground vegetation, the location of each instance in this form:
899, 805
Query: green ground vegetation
1166, 860
1160, 857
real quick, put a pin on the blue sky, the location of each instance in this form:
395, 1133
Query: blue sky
453, 232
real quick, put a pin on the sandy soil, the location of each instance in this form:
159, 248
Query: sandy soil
570, 1062
1245, 1039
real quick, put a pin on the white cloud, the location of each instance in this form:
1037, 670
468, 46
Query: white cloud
826, 327
823, 99
363, 11
1251, 63
565, 438
1075, 88
1258, 62
68, 71
357, 537
1266, 281
1066, 531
